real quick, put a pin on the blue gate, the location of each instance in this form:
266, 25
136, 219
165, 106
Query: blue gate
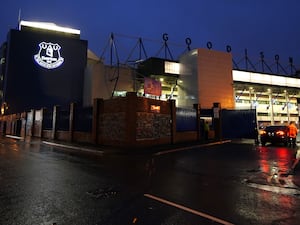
238, 123
186, 119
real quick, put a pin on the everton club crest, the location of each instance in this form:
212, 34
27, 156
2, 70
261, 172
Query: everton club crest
49, 55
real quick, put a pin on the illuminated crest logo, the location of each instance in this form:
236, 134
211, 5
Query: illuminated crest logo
49, 55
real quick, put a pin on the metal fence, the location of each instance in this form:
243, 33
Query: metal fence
186, 119
83, 119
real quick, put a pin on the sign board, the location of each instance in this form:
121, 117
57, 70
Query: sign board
152, 87
155, 108
216, 113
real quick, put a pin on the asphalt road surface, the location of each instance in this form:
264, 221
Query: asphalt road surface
230, 183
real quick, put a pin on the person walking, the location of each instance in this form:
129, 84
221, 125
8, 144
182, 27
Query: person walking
292, 134
206, 130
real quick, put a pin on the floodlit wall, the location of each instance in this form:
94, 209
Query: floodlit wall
93, 74
206, 78
187, 83
215, 78
100, 81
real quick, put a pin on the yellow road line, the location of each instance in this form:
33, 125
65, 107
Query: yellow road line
215, 219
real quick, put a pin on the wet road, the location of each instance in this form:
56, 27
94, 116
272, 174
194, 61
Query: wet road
232, 183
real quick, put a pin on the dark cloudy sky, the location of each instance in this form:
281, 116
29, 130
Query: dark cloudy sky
271, 26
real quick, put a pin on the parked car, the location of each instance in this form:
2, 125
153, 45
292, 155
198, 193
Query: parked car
274, 135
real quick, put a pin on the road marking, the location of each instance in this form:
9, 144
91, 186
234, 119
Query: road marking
215, 219
276, 189
14, 137
190, 147
73, 147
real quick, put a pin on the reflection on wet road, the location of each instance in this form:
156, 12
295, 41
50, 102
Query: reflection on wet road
275, 163
274, 160
232, 183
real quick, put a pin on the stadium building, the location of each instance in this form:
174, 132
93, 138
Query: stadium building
42, 65
204, 77
48, 65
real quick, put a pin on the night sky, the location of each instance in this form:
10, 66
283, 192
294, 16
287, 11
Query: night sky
257, 25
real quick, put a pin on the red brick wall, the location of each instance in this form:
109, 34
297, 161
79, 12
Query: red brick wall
127, 122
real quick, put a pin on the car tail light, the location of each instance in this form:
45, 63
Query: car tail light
280, 133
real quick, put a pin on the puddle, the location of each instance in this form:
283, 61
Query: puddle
102, 193
280, 183
276, 189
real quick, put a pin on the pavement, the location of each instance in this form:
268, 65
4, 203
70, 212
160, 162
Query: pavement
283, 181
88, 148
290, 181
154, 150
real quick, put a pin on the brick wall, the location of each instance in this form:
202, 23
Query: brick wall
133, 121
128, 122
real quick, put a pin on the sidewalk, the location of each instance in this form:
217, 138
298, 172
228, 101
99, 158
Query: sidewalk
291, 181
88, 148
99, 151
154, 150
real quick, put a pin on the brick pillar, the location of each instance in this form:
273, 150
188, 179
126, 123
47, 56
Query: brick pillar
217, 120
23, 125
54, 121
173, 121
98, 107
71, 121
39, 124
30, 123
131, 118
197, 107
43, 121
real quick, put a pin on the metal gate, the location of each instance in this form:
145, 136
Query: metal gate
238, 123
